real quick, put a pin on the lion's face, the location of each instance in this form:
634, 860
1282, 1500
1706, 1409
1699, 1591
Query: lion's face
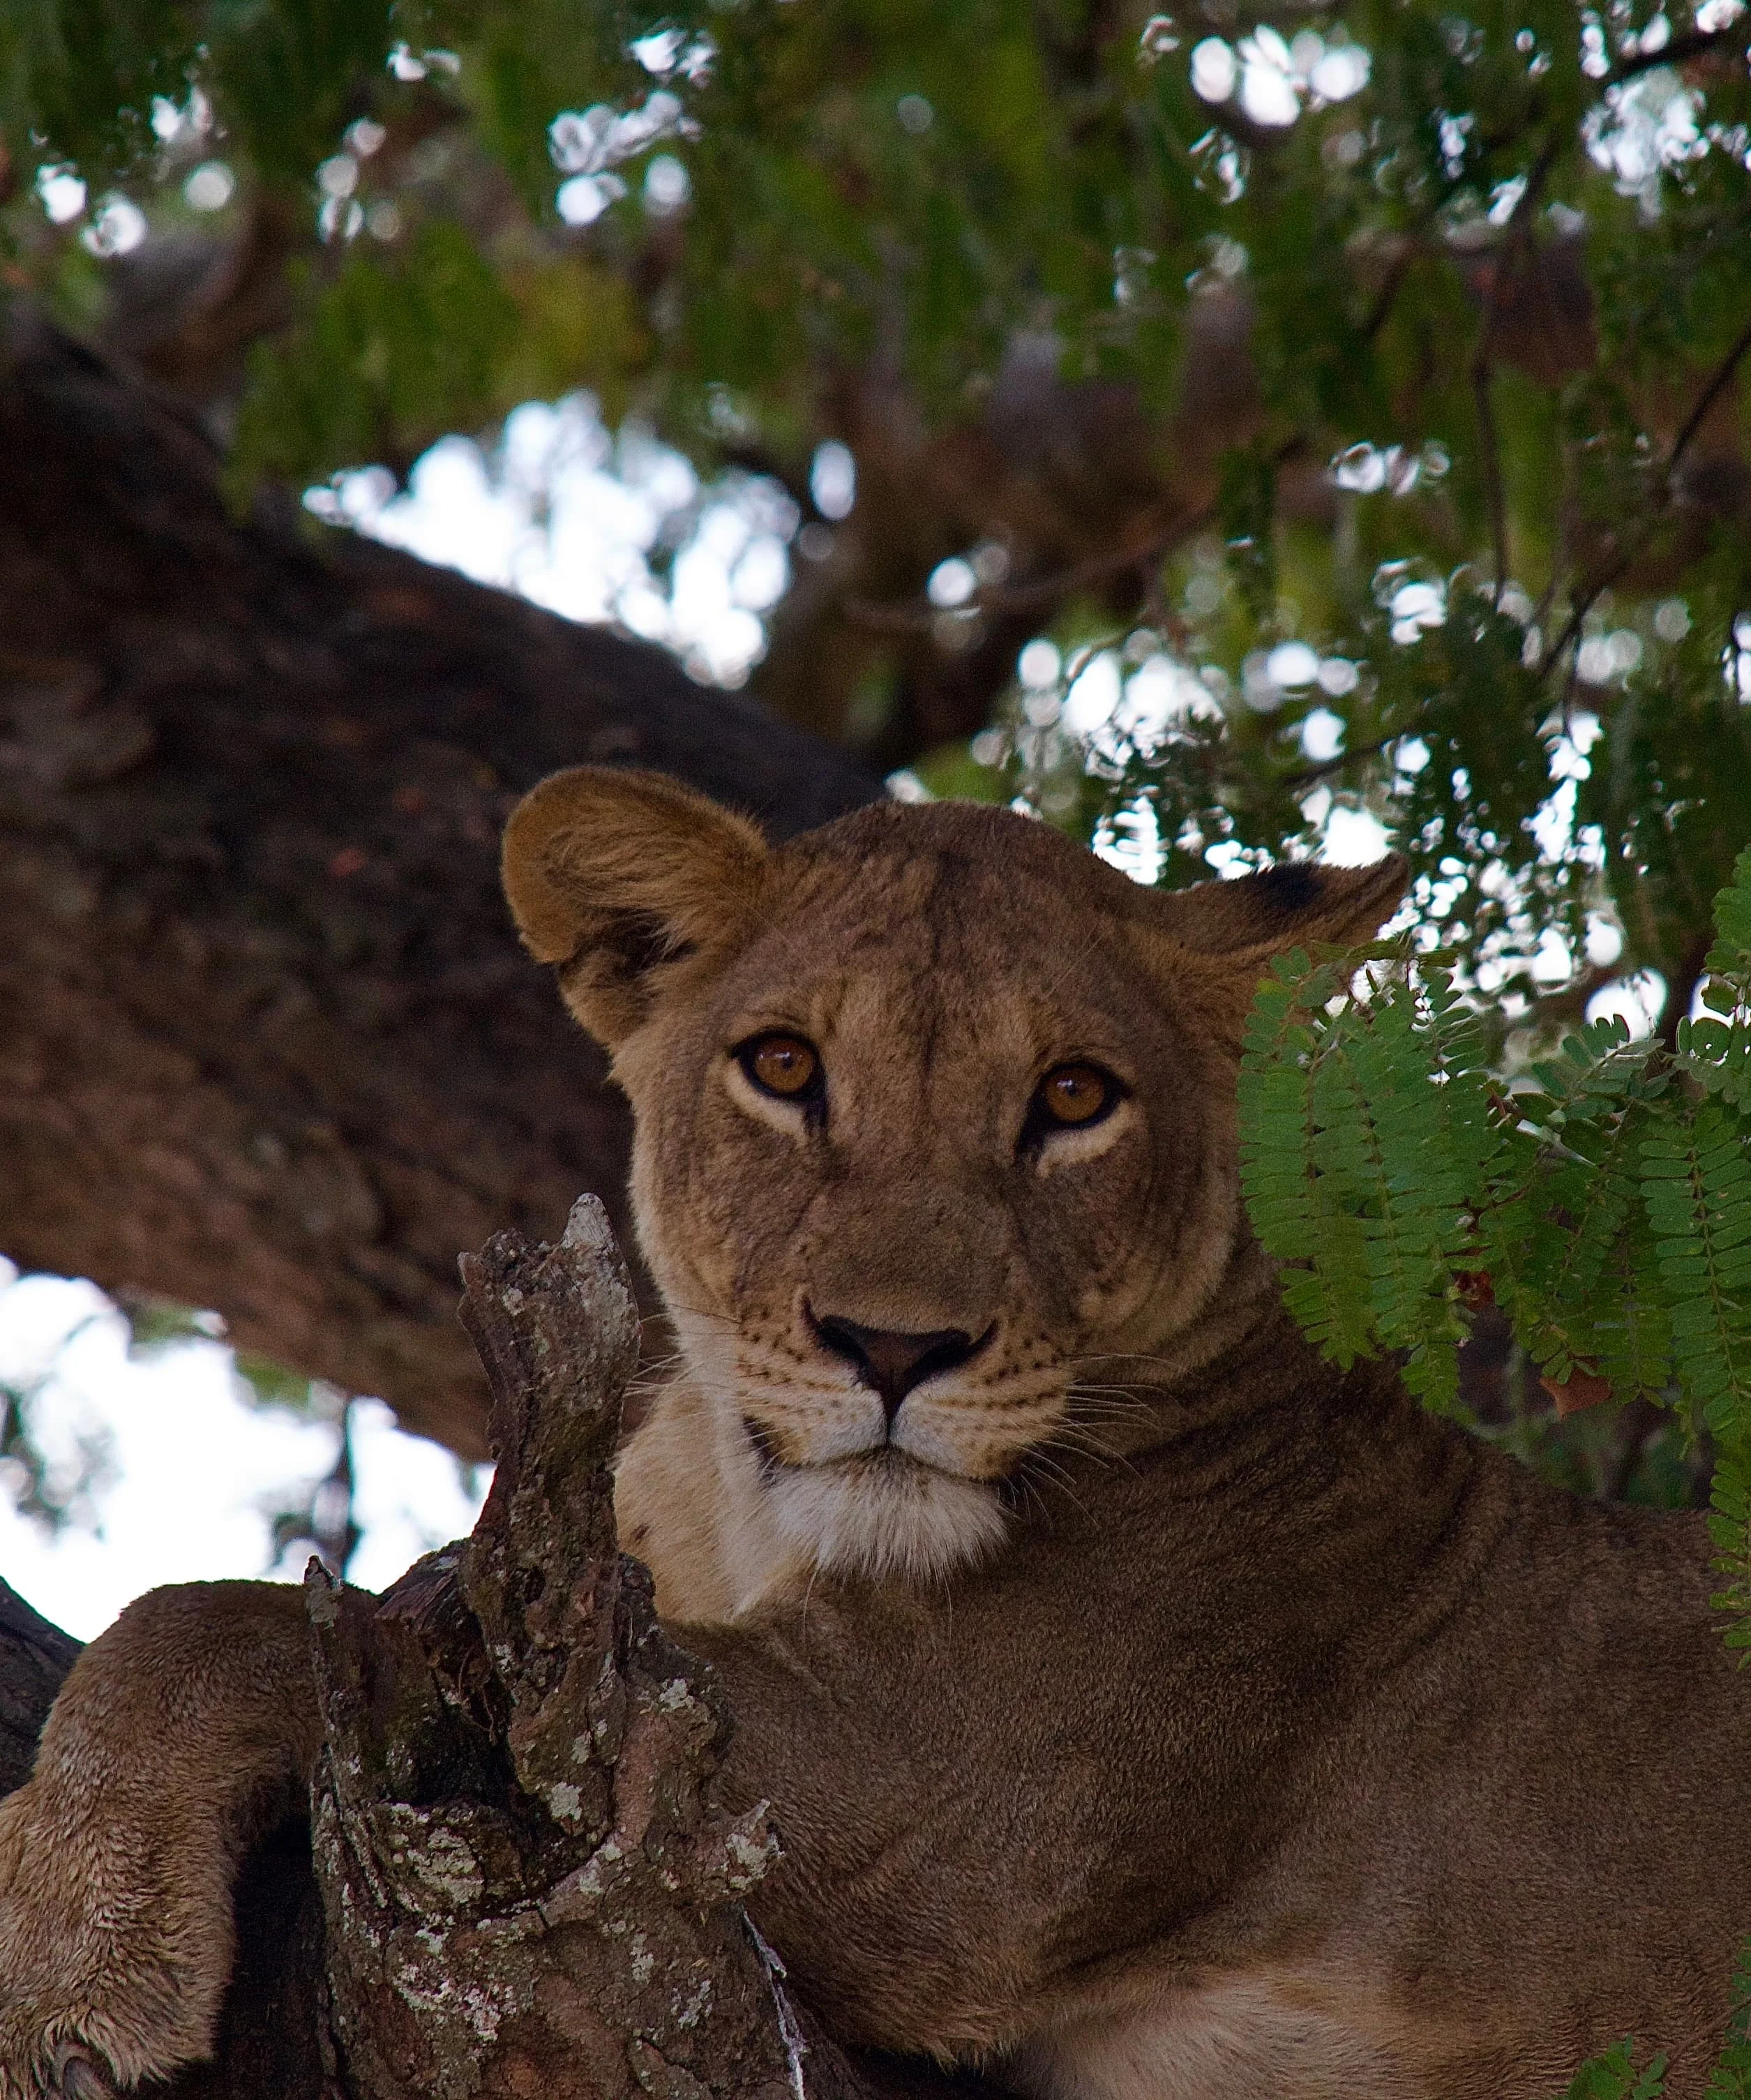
934, 1153
919, 1164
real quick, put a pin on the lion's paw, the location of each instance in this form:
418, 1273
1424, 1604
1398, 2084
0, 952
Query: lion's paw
63, 2072
34, 2065
101, 1981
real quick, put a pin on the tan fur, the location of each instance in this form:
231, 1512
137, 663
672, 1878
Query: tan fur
1150, 1711
1102, 1255
120, 1951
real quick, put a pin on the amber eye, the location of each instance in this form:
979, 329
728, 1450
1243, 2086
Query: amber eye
1072, 1096
783, 1065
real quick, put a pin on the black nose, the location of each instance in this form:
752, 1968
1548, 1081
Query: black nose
892, 1364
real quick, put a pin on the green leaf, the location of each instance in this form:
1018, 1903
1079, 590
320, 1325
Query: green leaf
1613, 2077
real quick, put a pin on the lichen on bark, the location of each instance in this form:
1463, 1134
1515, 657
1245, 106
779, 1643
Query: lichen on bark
527, 1883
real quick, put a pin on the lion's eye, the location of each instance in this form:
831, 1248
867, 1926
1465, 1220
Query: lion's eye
783, 1065
1076, 1094
1073, 1096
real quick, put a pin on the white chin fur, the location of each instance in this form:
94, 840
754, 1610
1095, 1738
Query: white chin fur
885, 1517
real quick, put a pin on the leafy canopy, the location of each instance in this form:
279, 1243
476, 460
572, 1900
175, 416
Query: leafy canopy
1344, 400
1603, 1198
1372, 369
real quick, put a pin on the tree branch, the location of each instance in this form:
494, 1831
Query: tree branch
1046, 594
516, 1789
267, 1043
1717, 384
1050, 591
1720, 380
1679, 51
524, 1880
1514, 247
1489, 455
1322, 769
34, 1657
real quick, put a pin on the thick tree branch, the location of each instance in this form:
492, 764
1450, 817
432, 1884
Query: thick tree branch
34, 1657
267, 1043
526, 1884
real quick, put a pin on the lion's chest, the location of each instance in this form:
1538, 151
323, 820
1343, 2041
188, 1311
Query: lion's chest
1234, 2040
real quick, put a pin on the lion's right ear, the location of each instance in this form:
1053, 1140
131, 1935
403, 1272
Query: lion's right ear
610, 874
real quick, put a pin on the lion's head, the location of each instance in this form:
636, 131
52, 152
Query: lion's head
935, 1153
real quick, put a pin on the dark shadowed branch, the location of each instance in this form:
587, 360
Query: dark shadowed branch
267, 1043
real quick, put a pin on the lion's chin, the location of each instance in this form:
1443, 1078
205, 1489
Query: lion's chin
885, 1515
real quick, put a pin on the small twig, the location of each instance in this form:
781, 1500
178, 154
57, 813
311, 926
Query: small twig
1386, 297
1565, 521
1707, 399
790, 2028
1049, 591
1695, 44
1489, 454
1719, 380
1572, 625
1304, 776
1570, 683
1515, 242
1033, 598
876, 617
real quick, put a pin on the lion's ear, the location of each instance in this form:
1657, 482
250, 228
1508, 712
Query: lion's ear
610, 874
1295, 905
1225, 934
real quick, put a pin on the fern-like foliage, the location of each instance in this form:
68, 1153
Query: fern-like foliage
1602, 1199
1361, 1128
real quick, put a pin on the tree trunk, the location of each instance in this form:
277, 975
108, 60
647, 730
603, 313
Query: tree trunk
267, 1043
521, 1882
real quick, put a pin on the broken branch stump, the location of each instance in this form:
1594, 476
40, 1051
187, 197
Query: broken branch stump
528, 1885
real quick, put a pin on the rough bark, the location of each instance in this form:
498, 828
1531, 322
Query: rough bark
520, 1880
34, 1657
526, 1885
266, 1042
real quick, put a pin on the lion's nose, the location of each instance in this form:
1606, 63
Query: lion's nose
892, 1364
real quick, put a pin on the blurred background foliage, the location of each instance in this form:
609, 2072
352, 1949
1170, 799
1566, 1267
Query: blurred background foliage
1254, 430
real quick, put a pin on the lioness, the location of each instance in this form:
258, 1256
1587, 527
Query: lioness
1150, 1709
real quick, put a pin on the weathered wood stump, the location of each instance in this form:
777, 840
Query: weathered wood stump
528, 1887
